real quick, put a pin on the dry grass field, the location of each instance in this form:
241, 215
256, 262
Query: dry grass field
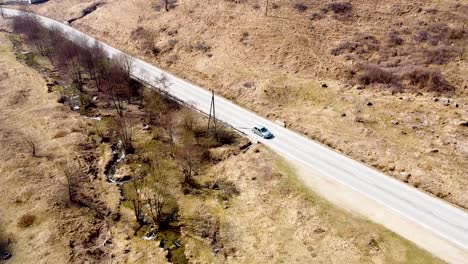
272, 218
382, 82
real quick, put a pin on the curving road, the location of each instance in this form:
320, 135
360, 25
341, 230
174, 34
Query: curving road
436, 216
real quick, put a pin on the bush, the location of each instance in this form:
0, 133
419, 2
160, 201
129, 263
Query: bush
339, 7
228, 189
26, 220
360, 44
375, 74
315, 16
300, 7
441, 55
202, 46
427, 79
224, 136
394, 39
436, 33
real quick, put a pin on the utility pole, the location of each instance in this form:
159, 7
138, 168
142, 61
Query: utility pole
212, 114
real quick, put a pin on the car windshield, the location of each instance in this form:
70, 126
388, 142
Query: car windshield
263, 129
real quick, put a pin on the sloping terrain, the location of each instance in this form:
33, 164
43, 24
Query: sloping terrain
383, 83
270, 217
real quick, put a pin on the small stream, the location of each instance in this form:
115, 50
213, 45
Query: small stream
169, 240
118, 155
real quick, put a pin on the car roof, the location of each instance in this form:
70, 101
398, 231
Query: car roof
260, 126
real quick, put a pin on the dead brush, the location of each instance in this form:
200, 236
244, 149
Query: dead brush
374, 74
26, 220
441, 55
424, 78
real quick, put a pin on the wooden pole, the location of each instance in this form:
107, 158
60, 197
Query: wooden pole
214, 109
212, 115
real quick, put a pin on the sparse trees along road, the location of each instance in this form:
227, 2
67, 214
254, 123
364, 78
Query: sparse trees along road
437, 216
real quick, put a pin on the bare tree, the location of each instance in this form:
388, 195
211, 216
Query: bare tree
116, 82
155, 106
68, 55
162, 205
137, 198
188, 157
188, 119
93, 58
32, 142
35, 33
168, 123
124, 129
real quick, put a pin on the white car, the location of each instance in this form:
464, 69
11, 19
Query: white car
262, 132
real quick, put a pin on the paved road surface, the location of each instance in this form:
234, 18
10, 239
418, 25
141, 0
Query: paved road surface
436, 215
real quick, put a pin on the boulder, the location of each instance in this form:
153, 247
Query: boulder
463, 123
280, 123
444, 101
405, 176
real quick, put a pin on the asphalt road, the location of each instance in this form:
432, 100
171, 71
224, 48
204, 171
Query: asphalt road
441, 218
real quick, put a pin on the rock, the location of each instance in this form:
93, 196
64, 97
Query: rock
5, 255
280, 123
343, 114
359, 87
445, 101
245, 145
370, 104
115, 216
62, 100
324, 85
405, 176
463, 123
146, 127
394, 122
319, 230
433, 151
126, 250
248, 85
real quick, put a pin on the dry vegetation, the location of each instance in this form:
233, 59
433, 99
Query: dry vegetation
384, 83
91, 189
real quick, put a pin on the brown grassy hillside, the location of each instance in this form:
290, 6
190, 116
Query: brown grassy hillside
382, 81
52, 212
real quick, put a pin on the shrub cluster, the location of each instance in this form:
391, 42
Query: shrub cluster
404, 63
339, 7
360, 44
26, 220
300, 7
436, 33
